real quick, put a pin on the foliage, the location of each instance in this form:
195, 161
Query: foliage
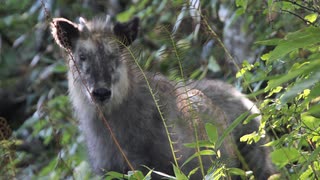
291, 104
283, 78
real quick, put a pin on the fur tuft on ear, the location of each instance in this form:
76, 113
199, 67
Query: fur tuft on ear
127, 32
64, 32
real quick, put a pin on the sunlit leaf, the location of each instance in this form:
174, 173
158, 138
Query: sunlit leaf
250, 138
311, 17
193, 172
265, 56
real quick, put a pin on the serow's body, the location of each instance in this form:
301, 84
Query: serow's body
106, 85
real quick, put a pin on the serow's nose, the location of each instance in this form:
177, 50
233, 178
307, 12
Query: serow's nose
101, 94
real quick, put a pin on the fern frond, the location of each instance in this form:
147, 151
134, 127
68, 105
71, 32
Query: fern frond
156, 101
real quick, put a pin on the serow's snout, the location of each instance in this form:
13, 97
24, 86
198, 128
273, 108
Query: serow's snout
101, 94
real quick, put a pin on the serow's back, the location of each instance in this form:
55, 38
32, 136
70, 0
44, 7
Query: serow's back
132, 118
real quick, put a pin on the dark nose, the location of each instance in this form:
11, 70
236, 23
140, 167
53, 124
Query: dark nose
101, 94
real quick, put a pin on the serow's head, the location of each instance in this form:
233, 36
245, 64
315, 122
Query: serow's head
96, 56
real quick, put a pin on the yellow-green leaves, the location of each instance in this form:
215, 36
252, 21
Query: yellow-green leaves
311, 18
250, 138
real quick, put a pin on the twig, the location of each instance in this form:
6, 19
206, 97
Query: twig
298, 16
302, 6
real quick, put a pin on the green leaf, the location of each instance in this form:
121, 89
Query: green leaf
265, 57
206, 144
250, 118
177, 3
310, 121
216, 174
49, 168
241, 72
294, 72
233, 125
242, 3
66, 138
206, 152
315, 92
179, 174
135, 175
269, 42
250, 138
311, 17
299, 39
212, 132
240, 11
312, 157
195, 73
284, 156
300, 86
59, 68
307, 173
237, 171
274, 90
114, 175
255, 94
315, 110
193, 171
126, 15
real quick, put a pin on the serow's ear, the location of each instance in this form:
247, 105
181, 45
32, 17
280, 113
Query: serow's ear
127, 32
64, 32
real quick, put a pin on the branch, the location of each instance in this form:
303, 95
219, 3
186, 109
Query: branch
298, 16
302, 6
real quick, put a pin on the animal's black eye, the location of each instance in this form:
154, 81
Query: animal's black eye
82, 57
112, 68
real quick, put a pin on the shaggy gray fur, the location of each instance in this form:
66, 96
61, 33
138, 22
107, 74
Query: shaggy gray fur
97, 61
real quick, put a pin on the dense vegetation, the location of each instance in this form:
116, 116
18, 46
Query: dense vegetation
268, 49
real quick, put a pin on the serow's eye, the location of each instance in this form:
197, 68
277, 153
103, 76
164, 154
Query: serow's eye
112, 69
82, 57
